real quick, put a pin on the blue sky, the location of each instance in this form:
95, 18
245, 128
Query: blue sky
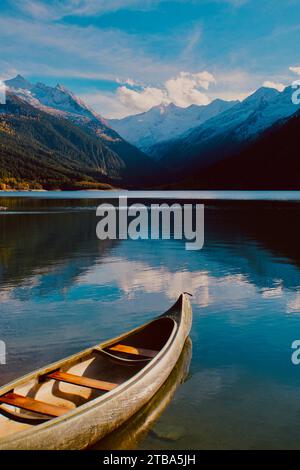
124, 56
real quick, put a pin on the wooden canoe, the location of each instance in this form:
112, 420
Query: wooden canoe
75, 402
132, 433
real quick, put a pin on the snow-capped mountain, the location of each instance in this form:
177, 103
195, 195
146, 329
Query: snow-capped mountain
165, 122
225, 133
56, 100
63, 104
269, 162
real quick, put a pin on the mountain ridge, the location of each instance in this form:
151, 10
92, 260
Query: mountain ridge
58, 102
228, 132
148, 128
49, 130
269, 162
40, 148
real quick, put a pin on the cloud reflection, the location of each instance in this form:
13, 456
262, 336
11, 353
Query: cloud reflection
293, 304
134, 276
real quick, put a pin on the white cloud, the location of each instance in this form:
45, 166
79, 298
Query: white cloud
55, 49
191, 41
234, 84
128, 81
35, 8
295, 70
183, 90
58, 9
141, 100
105, 104
235, 77
276, 85
93, 53
84, 52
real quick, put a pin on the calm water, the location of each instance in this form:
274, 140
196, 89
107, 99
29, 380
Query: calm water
62, 290
205, 195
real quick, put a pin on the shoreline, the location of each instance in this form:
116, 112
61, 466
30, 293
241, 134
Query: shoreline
192, 195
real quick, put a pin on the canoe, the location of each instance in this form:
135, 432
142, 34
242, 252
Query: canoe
132, 433
75, 402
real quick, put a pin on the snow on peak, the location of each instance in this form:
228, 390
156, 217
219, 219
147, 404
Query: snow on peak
165, 121
248, 118
55, 100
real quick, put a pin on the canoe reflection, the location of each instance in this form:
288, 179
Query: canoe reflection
131, 434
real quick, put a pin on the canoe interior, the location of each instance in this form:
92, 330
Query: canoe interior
152, 338
108, 365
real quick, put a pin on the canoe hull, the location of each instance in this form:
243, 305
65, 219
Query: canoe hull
89, 423
131, 433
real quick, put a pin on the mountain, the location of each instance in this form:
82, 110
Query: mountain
165, 121
227, 133
50, 138
61, 103
58, 100
50, 152
269, 162
40, 148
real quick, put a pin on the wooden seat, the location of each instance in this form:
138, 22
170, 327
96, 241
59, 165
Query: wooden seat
82, 381
124, 348
31, 404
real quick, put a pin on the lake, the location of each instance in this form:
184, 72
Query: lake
62, 290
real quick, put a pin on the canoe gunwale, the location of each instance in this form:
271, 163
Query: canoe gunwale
175, 313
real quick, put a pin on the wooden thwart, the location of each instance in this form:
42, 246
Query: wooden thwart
132, 350
30, 404
82, 381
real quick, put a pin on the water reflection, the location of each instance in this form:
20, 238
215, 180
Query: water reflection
44, 243
62, 290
